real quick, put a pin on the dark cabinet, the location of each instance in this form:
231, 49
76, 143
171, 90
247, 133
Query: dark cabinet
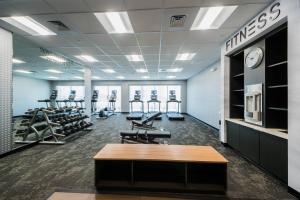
265, 150
233, 135
273, 155
249, 143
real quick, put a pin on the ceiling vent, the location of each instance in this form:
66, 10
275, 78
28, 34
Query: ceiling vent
177, 20
59, 25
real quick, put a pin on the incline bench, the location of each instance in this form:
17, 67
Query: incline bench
143, 131
160, 168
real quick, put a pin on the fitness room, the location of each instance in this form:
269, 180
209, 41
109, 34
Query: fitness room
149, 99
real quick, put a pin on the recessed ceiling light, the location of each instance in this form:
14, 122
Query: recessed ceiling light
134, 58
23, 71
81, 70
145, 77
142, 70
185, 56
171, 70
17, 61
110, 71
86, 58
212, 17
28, 25
115, 22
171, 77
52, 77
53, 71
54, 58
96, 77
120, 77
77, 77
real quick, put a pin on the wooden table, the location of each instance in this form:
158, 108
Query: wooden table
160, 168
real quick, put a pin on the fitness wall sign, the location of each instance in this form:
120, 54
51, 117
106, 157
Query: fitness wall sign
265, 19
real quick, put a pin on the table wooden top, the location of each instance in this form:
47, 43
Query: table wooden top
86, 196
154, 152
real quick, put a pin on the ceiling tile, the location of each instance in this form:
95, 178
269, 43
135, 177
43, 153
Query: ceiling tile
64, 6
145, 20
105, 5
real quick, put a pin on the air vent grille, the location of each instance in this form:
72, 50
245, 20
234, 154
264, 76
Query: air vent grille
60, 26
177, 20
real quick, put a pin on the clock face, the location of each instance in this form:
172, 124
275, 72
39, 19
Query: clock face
254, 58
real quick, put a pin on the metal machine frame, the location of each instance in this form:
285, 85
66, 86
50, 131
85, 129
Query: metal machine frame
136, 115
174, 115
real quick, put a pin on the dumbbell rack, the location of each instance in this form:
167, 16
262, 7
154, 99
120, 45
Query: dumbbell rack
42, 121
33, 125
62, 128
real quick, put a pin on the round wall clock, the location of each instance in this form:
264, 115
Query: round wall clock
254, 58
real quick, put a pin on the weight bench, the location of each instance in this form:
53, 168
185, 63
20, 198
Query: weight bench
145, 124
143, 136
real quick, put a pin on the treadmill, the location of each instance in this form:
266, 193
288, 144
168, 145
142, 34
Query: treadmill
154, 100
136, 115
173, 115
51, 101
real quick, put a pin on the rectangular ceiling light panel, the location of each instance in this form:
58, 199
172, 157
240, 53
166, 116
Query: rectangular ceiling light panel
212, 17
172, 70
135, 58
53, 71
185, 56
109, 71
115, 22
87, 58
54, 58
23, 71
120, 77
17, 61
28, 25
141, 70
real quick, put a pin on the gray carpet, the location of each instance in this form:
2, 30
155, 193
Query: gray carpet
36, 173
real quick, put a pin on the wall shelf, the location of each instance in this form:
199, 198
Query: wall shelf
236, 105
239, 90
239, 75
277, 86
277, 64
279, 109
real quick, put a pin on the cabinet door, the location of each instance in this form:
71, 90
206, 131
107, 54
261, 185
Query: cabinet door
249, 143
273, 155
233, 135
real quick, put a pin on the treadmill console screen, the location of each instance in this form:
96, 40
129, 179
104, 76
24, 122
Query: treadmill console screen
137, 95
153, 94
172, 95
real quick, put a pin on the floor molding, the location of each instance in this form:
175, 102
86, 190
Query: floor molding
18, 149
294, 192
203, 122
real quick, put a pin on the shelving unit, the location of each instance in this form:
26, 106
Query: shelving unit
237, 85
276, 80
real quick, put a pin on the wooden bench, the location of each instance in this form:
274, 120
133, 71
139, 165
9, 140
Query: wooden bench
161, 168
86, 196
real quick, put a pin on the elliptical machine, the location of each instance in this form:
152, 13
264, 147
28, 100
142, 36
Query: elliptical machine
94, 100
174, 115
110, 110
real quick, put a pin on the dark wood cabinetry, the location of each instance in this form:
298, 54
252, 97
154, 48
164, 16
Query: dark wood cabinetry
265, 150
273, 155
249, 143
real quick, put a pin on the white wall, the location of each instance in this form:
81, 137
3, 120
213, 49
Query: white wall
125, 89
203, 95
26, 93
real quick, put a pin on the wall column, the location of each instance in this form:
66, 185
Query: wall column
6, 52
88, 91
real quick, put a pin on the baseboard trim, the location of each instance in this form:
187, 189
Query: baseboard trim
203, 122
294, 192
18, 149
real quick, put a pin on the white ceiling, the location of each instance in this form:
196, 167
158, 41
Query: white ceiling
153, 38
